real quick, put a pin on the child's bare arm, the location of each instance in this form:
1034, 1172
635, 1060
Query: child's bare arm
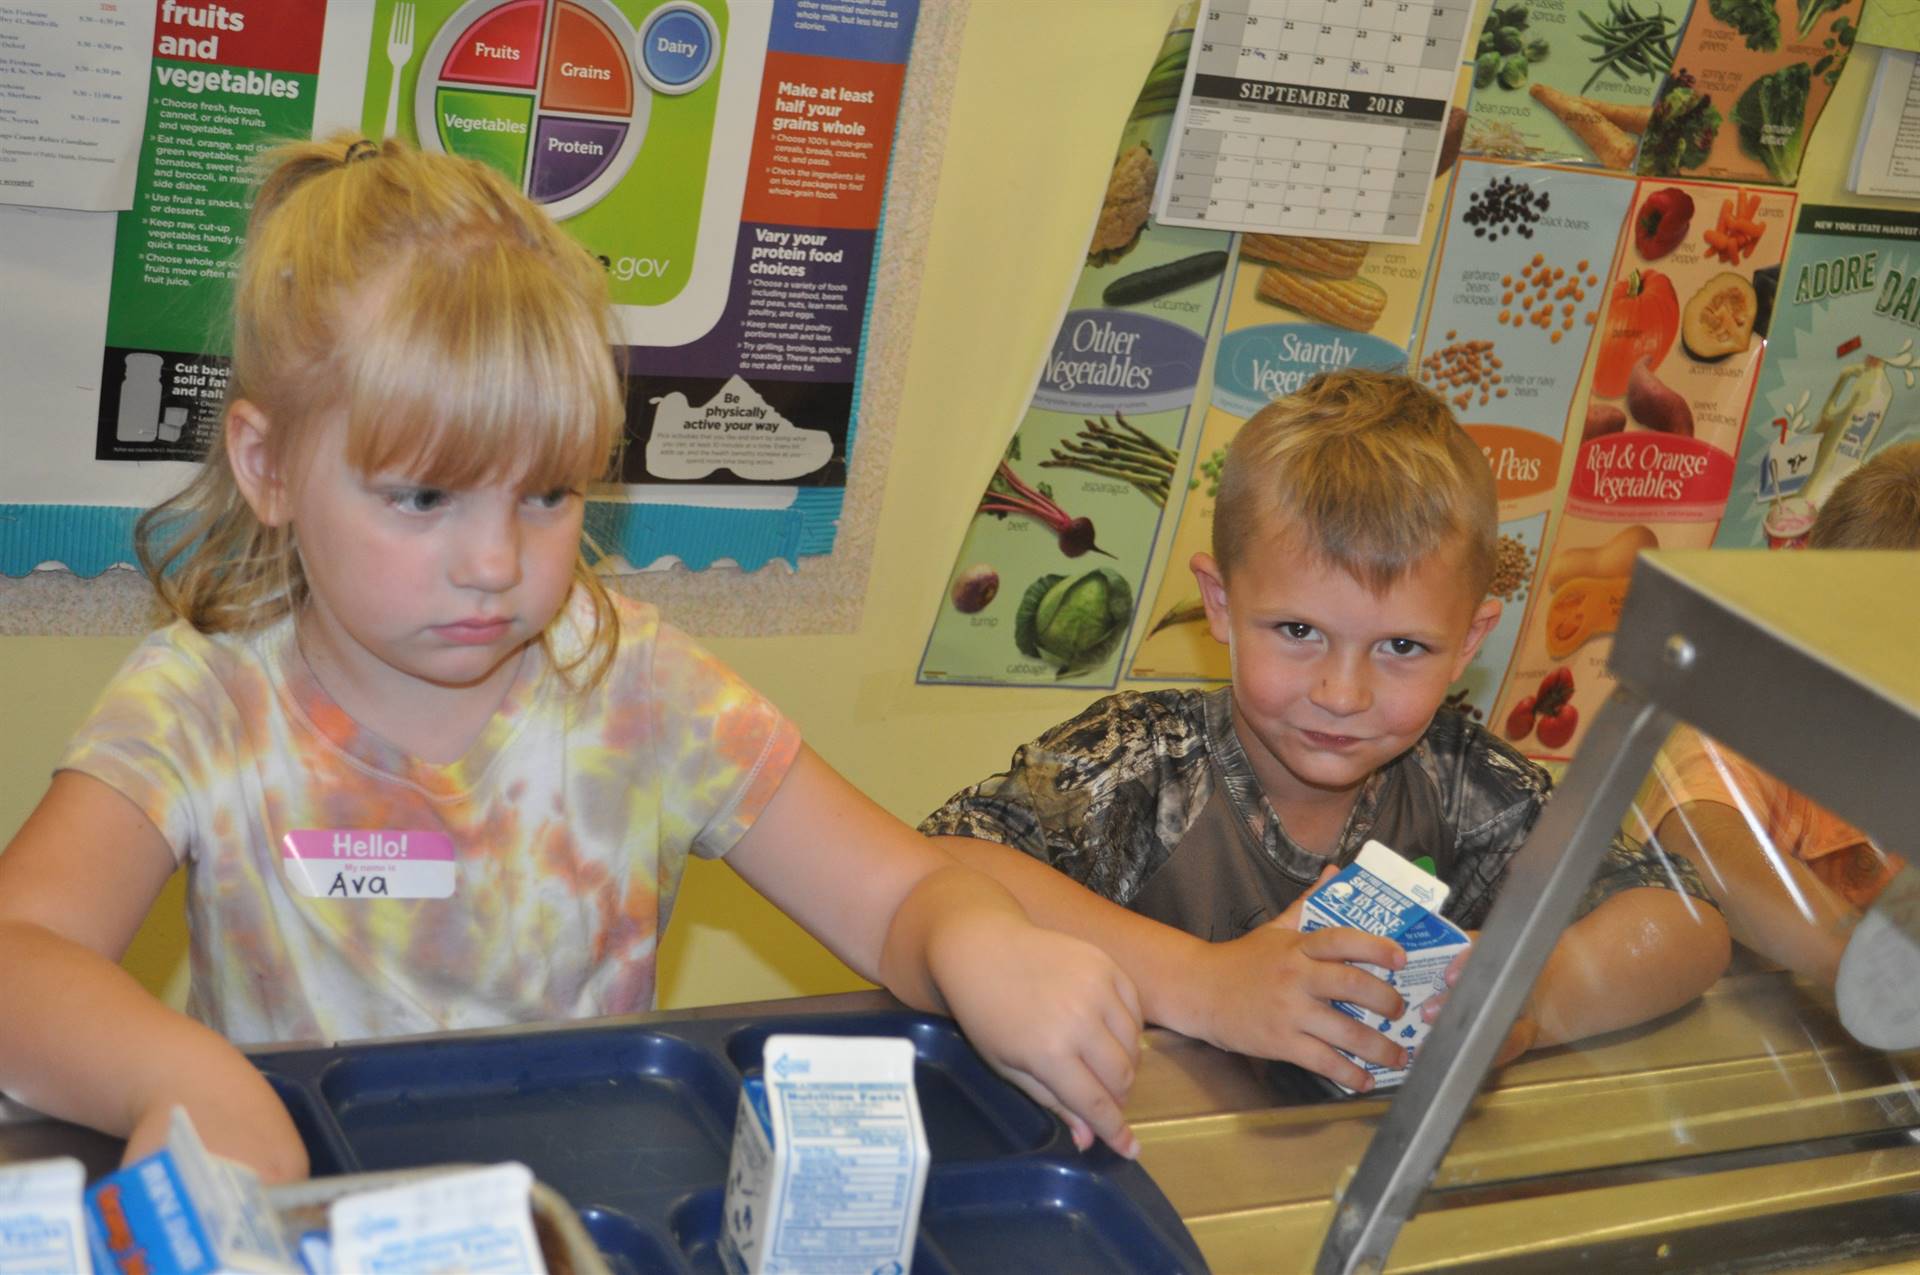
1773, 903
1640, 954
1052, 1014
84, 1041
1264, 994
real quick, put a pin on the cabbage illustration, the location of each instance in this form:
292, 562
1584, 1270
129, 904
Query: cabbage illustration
1074, 622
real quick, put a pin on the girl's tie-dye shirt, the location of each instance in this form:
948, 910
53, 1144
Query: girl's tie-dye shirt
567, 826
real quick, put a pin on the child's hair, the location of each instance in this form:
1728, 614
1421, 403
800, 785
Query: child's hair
1877, 506
464, 338
1370, 470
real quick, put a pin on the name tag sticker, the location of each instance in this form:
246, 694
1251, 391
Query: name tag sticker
355, 863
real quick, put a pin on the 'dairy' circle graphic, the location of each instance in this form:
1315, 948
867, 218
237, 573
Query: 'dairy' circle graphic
546, 91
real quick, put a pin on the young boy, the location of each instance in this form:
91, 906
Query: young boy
1794, 878
1353, 542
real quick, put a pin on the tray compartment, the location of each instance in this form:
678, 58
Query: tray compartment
970, 1113
1043, 1214
608, 1118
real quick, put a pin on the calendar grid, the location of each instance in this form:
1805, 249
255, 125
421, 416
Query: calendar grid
1314, 117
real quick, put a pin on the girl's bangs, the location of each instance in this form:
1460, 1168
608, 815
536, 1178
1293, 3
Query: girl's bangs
480, 367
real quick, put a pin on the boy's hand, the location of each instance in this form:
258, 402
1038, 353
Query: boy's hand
1271, 990
1069, 1039
1520, 1036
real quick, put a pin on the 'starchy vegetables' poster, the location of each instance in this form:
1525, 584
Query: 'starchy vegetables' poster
1838, 383
1298, 307
1047, 582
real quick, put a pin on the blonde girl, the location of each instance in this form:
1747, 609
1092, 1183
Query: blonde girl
423, 771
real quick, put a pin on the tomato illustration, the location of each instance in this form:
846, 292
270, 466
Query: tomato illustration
1520, 719
1557, 728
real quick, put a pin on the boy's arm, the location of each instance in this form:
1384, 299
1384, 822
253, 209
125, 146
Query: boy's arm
83, 1040
1640, 954
1264, 994
1052, 1014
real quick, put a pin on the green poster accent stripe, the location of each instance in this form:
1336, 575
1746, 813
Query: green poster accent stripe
494, 128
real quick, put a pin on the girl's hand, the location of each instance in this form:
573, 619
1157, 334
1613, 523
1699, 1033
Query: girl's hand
246, 1123
1050, 1013
1270, 991
1520, 1036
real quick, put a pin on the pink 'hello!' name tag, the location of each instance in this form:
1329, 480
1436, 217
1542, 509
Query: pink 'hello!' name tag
355, 863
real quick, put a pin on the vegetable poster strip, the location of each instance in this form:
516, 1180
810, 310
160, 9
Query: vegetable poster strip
1047, 581
1570, 80
1298, 307
228, 80
1838, 383
1653, 459
1517, 301
1749, 80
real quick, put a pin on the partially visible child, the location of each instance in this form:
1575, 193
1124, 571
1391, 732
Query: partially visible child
1353, 544
390, 649
1793, 877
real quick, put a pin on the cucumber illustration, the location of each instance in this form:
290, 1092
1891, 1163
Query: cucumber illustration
1158, 281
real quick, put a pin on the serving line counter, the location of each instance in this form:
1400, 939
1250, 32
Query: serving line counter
1747, 1132
1747, 1124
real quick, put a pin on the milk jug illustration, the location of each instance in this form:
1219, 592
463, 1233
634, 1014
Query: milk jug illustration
1848, 425
139, 419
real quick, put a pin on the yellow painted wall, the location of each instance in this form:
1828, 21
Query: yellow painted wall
1042, 88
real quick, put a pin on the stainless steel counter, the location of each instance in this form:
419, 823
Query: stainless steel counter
1739, 1109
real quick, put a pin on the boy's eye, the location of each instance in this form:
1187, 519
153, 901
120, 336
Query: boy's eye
417, 500
1296, 630
1404, 646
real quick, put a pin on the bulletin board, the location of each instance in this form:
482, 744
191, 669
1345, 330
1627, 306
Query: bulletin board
803, 591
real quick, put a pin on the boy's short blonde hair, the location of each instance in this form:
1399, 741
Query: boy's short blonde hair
1877, 506
1370, 470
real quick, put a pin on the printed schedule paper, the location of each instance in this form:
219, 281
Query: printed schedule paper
1314, 117
73, 99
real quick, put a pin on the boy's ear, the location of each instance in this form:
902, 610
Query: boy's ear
251, 461
1213, 596
1485, 616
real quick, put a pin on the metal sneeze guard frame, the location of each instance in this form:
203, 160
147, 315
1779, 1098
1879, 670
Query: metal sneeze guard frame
1802, 661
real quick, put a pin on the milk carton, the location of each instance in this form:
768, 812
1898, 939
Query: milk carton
41, 1228
472, 1220
829, 1160
1383, 894
184, 1211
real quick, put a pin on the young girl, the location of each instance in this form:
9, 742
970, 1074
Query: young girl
423, 770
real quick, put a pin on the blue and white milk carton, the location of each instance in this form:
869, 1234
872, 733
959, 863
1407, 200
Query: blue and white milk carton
829, 1160
41, 1227
185, 1211
1383, 894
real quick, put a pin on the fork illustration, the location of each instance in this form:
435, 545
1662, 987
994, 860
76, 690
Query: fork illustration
399, 49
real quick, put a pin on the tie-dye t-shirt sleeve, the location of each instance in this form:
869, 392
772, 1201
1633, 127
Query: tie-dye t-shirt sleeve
157, 735
723, 747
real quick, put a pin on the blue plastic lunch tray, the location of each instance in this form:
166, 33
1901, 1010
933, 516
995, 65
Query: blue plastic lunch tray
633, 1124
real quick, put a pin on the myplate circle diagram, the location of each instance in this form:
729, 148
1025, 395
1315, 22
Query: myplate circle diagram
546, 91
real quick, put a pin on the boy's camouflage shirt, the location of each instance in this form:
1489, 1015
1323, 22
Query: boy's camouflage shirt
1149, 800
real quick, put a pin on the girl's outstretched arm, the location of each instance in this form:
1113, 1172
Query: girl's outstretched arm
83, 1040
1051, 1013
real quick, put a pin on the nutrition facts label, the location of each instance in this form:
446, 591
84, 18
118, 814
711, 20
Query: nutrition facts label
1314, 117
